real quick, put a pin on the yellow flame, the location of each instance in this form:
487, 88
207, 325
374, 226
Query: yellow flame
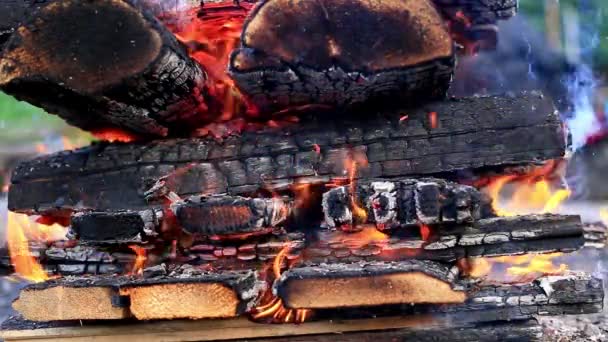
20, 231
519, 265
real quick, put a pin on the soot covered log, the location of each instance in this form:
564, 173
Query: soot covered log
101, 64
180, 293
342, 53
447, 136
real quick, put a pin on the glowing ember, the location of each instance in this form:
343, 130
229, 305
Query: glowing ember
359, 213
433, 120
531, 193
520, 268
140, 260
425, 231
211, 36
20, 232
114, 135
271, 308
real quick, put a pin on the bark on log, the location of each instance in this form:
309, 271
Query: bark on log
104, 64
181, 293
368, 284
471, 133
406, 203
488, 237
327, 53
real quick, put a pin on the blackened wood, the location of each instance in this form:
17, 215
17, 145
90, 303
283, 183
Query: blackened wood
104, 64
407, 203
471, 133
327, 53
116, 227
595, 235
221, 215
487, 237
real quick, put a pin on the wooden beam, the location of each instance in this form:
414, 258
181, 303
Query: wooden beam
473, 134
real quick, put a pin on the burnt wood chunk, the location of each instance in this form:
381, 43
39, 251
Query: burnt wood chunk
368, 284
180, 293
407, 203
487, 237
222, 215
104, 64
342, 53
471, 133
595, 235
116, 227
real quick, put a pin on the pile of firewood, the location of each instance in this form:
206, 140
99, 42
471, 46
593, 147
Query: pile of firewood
358, 216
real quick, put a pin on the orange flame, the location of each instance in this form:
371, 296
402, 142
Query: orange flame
20, 231
42, 148
425, 231
359, 213
212, 36
519, 268
114, 135
140, 260
272, 307
530, 193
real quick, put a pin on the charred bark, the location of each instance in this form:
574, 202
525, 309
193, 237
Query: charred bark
180, 293
328, 53
406, 204
103, 64
472, 133
487, 237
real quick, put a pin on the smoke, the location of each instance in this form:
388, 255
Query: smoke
582, 120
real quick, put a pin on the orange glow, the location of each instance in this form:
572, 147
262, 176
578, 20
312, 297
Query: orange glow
67, 144
20, 231
114, 135
271, 308
463, 18
42, 148
6, 188
140, 260
211, 37
359, 213
433, 120
519, 268
528, 194
404, 118
365, 237
425, 231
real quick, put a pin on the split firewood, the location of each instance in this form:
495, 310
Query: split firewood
116, 227
474, 133
292, 51
181, 293
334, 286
487, 237
405, 203
369, 284
104, 64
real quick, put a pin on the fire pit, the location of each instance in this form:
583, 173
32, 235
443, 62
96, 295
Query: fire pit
289, 169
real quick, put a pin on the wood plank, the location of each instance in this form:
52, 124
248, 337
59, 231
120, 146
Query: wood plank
506, 130
236, 329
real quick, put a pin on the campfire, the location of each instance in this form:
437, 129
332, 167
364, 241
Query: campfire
284, 163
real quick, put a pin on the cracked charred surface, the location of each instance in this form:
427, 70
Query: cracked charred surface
470, 133
103, 64
342, 53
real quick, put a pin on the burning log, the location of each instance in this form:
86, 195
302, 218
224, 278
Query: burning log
334, 286
292, 51
368, 284
487, 237
472, 133
103, 64
116, 227
181, 293
406, 203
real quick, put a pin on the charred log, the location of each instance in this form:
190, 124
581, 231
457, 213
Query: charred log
595, 235
487, 237
328, 53
406, 203
103, 64
180, 293
116, 227
471, 133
